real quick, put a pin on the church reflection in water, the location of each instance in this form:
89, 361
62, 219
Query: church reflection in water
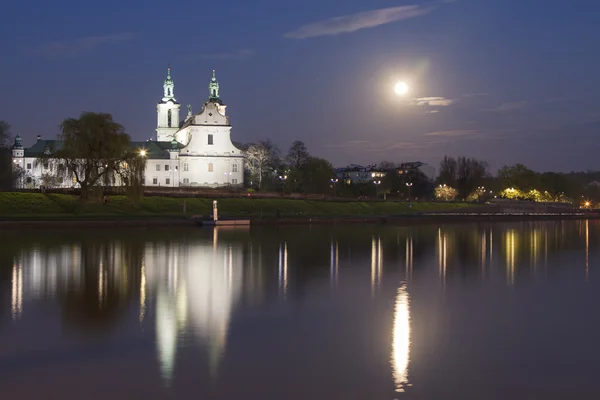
190, 286
196, 288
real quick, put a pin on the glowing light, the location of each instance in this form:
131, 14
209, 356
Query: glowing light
401, 88
17, 291
143, 153
401, 340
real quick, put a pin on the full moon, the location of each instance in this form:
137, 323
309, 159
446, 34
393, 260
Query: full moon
401, 88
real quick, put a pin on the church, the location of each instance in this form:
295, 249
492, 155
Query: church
194, 152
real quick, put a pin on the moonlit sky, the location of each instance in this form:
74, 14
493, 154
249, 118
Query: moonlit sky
505, 81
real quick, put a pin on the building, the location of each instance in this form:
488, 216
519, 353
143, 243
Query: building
357, 174
195, 152
410, 171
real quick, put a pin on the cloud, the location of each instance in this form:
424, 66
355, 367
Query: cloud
81, 45
478, 94
238, 55
355, 22
509, 106
460, 132
433, 101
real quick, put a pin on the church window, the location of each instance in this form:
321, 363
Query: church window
166, 167
60, 180
169, 118
210, 167
157, 167
186, 167
28, 165
234, 168
168, 181
210, 139
155, 181
186, 181
234, 181
28, 179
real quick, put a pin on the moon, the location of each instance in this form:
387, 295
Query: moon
401, 88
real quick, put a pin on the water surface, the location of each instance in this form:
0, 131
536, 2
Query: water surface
482, 311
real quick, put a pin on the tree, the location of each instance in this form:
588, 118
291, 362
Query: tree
261, 159
556, 185
387, 166
95, 148
315, 175
464, 174
470, 175
448, 171
6, 168
519, 177
297, 155
5, 136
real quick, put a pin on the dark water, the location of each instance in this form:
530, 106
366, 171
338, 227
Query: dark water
352, 312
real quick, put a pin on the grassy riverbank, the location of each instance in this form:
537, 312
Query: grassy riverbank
44, 206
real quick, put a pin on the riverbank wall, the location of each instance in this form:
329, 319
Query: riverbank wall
423, 218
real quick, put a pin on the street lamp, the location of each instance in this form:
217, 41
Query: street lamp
281, 179
334, 181
409, 184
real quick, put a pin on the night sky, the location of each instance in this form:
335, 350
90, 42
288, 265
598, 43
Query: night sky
505, 81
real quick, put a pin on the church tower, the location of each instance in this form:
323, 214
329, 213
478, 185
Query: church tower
168, 112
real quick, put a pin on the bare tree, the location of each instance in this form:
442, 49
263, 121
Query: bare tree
297, 155
5, 136
387, 165
470, 174
6, 166
258, 158
448, 171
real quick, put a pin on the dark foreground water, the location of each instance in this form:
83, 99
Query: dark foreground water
352, 312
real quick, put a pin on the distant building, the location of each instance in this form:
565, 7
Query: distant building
194, 152
408, 170
356, 174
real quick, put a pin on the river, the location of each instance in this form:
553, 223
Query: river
481, 311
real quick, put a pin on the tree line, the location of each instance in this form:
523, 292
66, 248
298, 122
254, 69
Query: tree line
96, 152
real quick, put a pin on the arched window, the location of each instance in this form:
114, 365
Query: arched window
169, 118
210, 167
234, 168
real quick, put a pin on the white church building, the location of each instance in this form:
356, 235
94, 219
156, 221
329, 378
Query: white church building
196, 152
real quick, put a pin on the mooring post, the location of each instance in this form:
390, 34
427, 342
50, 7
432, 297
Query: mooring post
215, 211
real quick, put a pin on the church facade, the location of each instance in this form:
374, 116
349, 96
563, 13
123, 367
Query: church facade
195, 152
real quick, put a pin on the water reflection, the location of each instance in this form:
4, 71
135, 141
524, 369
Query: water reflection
205, 297
196, 289
401, 339
17, 291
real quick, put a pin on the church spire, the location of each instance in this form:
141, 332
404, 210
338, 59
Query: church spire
169, 87
214, 88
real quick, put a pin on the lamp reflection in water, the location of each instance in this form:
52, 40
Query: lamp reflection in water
401, 339
283, 268
376, 264
587, 249
334, 264
17, 291
511, 241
